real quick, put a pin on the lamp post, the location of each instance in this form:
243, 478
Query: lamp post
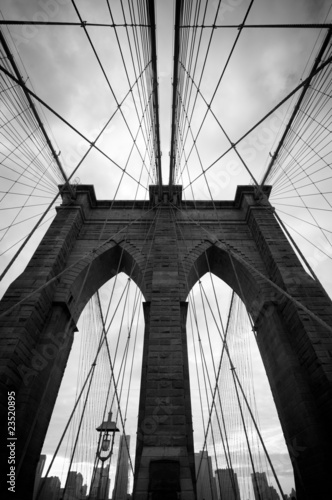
105, 445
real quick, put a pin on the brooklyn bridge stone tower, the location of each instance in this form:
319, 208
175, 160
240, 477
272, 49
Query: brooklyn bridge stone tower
166, 247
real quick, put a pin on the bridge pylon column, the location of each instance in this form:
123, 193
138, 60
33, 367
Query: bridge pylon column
165, 453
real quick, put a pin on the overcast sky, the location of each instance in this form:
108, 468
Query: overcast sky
266, 65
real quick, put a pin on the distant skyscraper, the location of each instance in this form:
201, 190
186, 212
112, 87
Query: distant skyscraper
273, 494
74, 487
259, 483
100, 486
227, 484
122, 469
50, 488
205, 481
39, 471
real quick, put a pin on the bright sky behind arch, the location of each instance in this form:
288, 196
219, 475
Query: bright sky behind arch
266, 65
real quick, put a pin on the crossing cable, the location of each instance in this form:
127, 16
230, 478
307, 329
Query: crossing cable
225, 344
228, 354
109, 357
248, 444
13, 105
178, 16
61, 189
126, 70
66, 23
203, 294
223, 130
188, 173
212, 405
306, 153
191, 52
102, 339
193, 308
298, 104
92, 144
296, 89
120, 261
177, 59
223, 245
66, 328
88, 377
233, 254
216, 389
154, 83
139, 62
106, 78
16, 105
88, 438
87, 255
182, 81
244, 26
202, 70
303, 124
13, 223
240, 26
115, 385
234, 374
126, 351
27, 170
227, 247
233, 146
223, 71
303, 220
132, 363
23, 238
78, 431
309, 240
187, 97
106, 330
316, 102
216, 375
135, 139
20, 81
309, 209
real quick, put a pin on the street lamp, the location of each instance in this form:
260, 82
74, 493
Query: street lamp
105, 445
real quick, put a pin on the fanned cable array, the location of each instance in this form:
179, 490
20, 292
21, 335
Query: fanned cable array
300, 169
32, 169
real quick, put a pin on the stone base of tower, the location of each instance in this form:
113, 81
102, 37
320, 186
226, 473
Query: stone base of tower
164, 473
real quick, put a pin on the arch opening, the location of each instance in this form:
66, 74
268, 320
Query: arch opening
215, 310
117, 309
97, 271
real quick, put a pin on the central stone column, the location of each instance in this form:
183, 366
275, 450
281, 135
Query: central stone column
165, 454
